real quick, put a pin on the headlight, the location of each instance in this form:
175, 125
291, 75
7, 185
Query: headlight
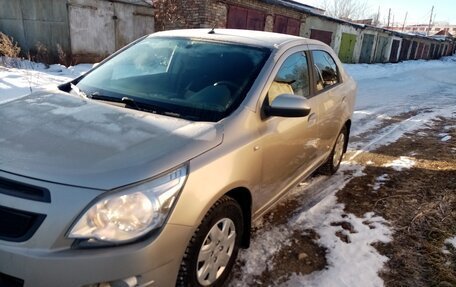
132, 212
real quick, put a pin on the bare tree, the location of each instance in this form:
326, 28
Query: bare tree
346, 9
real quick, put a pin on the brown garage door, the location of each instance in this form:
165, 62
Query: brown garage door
245, 18
324, 36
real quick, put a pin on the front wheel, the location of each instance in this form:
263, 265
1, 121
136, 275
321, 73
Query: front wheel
335, 157
213, 248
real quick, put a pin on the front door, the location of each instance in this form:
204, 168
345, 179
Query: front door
290, 145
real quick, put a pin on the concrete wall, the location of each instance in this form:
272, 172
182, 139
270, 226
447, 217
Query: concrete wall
86, 30
99, 28
33, 21
319, 23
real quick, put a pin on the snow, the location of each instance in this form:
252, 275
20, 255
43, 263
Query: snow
393, 99
449, 241
444, 137
379, 181
18, 82
400, 164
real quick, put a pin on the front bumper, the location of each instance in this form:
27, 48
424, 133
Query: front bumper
46, 259
155, 262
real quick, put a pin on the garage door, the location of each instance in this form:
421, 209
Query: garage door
99, 28
320, 35
347, 46
366, 48
245, 18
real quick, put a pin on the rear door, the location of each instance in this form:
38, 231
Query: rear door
329, 95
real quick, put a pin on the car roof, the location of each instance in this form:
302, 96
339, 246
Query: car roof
246, 37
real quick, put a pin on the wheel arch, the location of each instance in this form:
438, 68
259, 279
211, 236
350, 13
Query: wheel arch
244, 198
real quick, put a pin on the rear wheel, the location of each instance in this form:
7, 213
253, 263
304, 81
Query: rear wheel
213, 248
335, 157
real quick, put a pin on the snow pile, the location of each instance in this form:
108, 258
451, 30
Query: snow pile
15, 83
400, 164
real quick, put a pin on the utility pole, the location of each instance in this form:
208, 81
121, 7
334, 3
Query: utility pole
405, 19
430, 22
377, 22
389, 18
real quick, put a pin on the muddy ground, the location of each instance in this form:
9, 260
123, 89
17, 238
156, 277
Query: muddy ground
419, 203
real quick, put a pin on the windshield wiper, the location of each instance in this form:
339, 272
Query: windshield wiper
98, 96
129, 102
133, 104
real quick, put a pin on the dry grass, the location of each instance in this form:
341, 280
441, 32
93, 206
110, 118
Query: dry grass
41, 54
420, 203
9, 50
63, 57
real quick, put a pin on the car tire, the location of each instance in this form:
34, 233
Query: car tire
335, 157
213, 248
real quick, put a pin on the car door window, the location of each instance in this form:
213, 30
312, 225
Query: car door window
292, 78
326, 72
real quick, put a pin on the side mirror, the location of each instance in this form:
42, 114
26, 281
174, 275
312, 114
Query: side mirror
289, 106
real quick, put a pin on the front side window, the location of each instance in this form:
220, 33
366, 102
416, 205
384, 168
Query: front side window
292, 78
326, 72
193, 79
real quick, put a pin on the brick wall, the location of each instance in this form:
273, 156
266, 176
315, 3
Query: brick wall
177, 14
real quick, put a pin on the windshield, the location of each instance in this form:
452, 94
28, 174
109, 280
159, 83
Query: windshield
192, 79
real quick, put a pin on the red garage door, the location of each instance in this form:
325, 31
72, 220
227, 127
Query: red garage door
245, 18
286, 25
320, 35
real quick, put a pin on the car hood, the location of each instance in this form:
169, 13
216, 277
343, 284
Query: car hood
57, 137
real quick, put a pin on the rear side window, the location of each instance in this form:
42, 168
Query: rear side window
292, 78
326, 72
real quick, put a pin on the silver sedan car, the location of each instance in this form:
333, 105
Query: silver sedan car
149, 169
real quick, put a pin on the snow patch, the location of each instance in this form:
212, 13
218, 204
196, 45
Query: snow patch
380, 181
449, 241
444, 137
400, 164
345, 260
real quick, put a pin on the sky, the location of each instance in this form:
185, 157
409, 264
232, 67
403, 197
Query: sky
419, 11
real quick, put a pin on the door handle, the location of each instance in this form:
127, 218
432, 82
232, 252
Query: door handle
312, 119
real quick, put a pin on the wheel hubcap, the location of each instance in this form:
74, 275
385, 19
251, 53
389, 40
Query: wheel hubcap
338, 150
216, 251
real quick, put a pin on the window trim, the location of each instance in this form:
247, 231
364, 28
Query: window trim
302, 52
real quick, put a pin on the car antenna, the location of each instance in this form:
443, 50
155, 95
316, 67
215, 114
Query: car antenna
212, 30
